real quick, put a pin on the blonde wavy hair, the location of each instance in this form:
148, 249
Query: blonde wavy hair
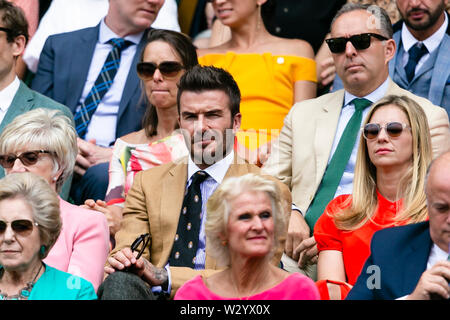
219, 206
411, 187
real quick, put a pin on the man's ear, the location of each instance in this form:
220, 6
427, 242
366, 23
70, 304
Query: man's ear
18, 44
389, 50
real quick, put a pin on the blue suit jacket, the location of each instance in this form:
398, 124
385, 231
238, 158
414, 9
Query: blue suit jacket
401, 253
439, 71
63, 69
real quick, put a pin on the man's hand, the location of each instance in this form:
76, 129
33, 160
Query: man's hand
307, 251
125, 258
113, 213
298, 231
434, 281
89, 154
327, 72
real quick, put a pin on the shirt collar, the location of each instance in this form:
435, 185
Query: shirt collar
431, 43
106, 34
7, 94
374, 96
217, 171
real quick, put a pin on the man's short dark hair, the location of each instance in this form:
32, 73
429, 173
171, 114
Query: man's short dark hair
13, 18
205, 78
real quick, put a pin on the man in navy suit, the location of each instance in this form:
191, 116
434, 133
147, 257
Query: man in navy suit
69, 66
411, 262
426, 24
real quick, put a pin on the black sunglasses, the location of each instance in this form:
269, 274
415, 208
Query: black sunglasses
27, 158
168, 69
359, 41
22, 227
393, 129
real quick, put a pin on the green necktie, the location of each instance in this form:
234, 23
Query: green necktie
336, 167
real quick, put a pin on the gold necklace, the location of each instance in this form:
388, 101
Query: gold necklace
238, 295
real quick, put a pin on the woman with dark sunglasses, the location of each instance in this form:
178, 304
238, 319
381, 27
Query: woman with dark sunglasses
388, 190
272, 73
164, 59
44, 142
30, 224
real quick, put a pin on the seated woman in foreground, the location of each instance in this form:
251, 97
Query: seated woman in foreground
245, 219
30, 223
388, 190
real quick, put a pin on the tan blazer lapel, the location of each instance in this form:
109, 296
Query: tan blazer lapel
326, 126
172, 194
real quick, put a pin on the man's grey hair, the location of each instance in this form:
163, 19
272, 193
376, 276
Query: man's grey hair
382, 20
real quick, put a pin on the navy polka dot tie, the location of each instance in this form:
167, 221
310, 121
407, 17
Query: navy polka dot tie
185, 244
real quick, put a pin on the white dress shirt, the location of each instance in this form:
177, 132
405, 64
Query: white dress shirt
431, 43
7, 96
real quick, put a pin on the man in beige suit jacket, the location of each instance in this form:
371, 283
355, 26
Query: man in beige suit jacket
300, 156
154, 202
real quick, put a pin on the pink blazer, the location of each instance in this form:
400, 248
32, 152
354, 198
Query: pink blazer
83, 245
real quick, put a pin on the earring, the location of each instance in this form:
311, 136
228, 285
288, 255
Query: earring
224, 243
42, 251
54, 179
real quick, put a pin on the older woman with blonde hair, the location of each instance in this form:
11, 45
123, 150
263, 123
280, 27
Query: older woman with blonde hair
30, 224
388, 190
246, 219
44, 142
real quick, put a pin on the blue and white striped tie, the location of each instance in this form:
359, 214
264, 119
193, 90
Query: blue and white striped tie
101, 86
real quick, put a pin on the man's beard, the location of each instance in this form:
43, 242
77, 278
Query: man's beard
423, 25
224, 142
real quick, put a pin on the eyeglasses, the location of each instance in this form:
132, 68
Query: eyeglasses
168, 69
359, 41
140, 244
27, 158
393, 129
21, 227
7, 30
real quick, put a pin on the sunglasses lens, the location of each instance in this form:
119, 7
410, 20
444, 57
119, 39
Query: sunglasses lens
394, 129
146, 70
337, 45
7, 161
29, 158
170, 69
22, 227
371, 130
360, 41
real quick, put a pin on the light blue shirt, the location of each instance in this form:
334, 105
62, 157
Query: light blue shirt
102, 126
346, 184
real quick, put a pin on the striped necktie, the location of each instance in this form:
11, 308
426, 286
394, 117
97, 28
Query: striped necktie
101, 86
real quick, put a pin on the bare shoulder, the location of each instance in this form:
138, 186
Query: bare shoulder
136, 137
212, 50
293, 47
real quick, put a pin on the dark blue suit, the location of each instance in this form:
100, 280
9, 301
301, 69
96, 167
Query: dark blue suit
62, 73
401, 253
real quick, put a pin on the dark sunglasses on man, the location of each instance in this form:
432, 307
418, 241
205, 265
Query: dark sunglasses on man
21, 227
393, 129
359, 41
168, 69
28, 158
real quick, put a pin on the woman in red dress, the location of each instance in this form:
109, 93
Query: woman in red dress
388, 190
